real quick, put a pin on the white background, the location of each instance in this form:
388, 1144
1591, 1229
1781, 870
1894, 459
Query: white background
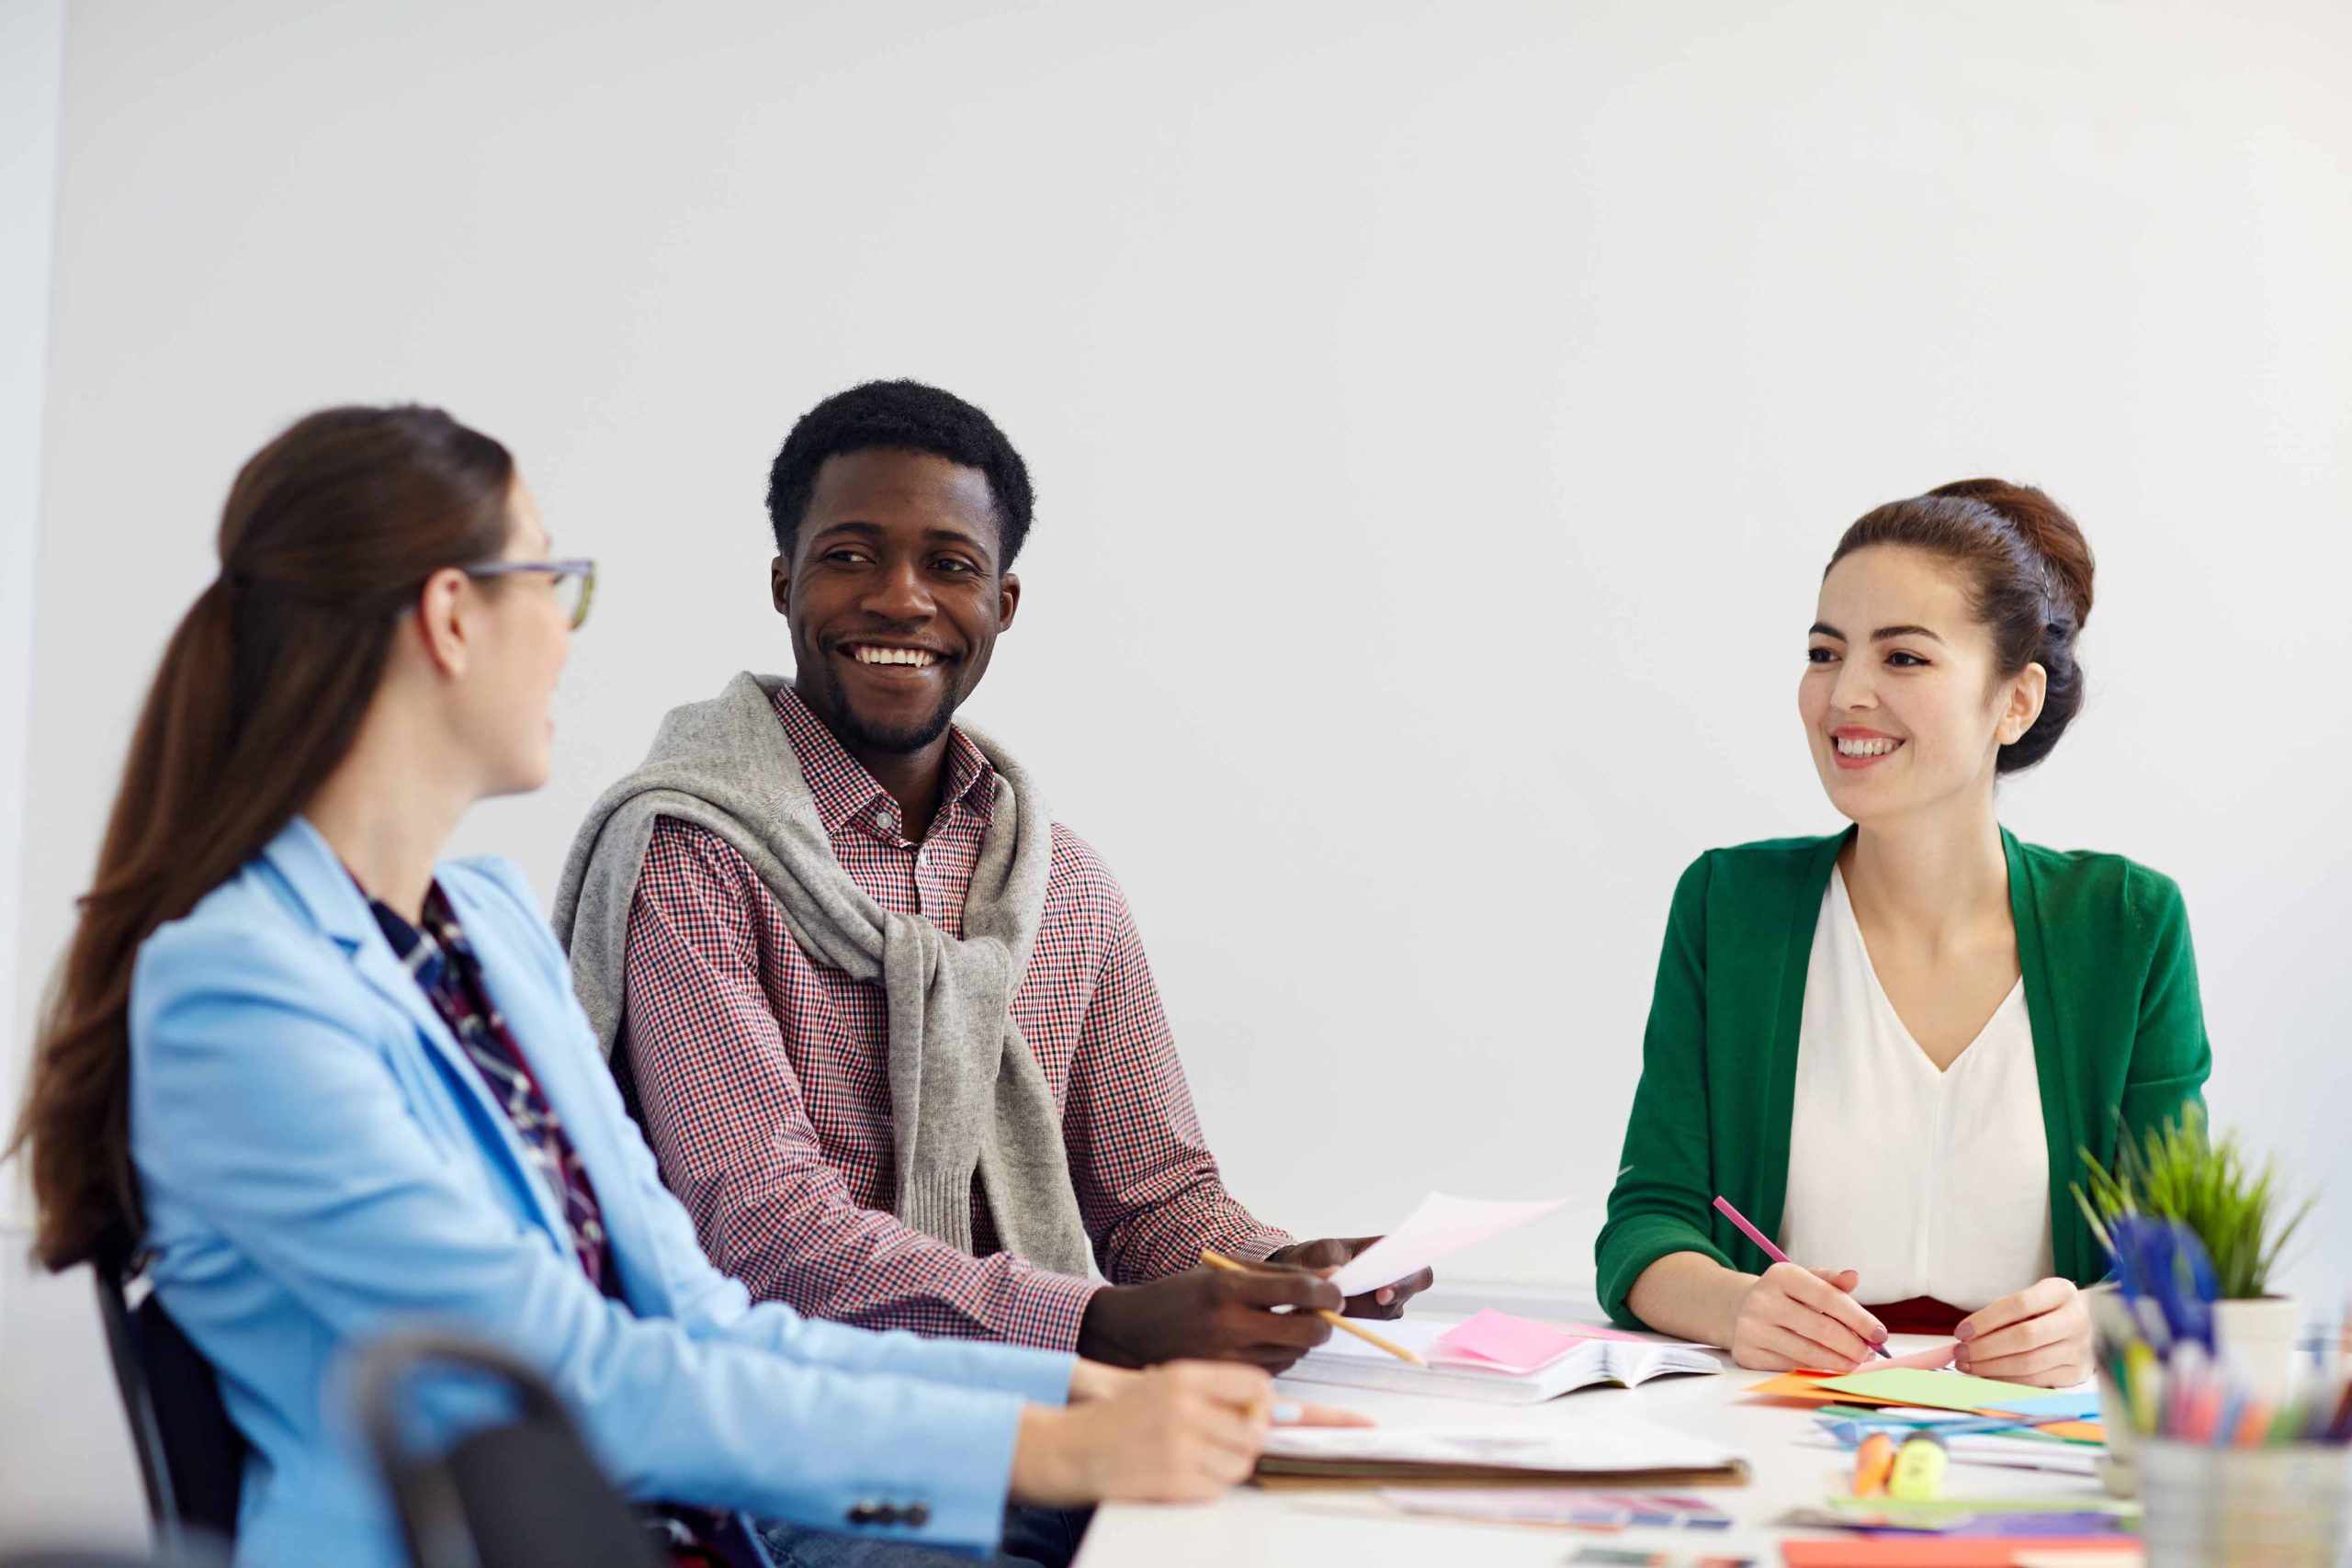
1440, 415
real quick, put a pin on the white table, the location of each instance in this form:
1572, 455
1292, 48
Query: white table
1251, 1529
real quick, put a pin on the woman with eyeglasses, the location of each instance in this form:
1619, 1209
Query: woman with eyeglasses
325, 1082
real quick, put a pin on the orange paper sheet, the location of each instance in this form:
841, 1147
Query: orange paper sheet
1894, 1552
1807, 1387
1800, 1385
1804, 1386
2077, 1431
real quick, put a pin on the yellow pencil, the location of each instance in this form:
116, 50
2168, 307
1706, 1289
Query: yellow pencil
1218, 1260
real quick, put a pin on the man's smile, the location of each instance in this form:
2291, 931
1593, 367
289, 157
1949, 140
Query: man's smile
893, 658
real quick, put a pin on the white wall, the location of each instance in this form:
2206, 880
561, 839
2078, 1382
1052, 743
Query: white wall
66, 1473
32, 51
1439, 415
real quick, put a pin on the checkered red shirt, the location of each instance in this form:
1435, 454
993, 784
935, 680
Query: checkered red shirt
764, 1077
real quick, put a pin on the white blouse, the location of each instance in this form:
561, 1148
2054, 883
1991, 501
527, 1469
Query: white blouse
1927, 1183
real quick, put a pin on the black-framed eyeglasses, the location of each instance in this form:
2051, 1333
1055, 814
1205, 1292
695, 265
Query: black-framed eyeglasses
576, 580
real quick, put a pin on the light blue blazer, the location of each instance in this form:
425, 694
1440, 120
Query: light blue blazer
320, 1162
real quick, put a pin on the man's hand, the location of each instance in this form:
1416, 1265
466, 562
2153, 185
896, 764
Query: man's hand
1209, 1314
1331, 1252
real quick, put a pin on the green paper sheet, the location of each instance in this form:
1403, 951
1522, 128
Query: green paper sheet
1933, 1391
1963, 1507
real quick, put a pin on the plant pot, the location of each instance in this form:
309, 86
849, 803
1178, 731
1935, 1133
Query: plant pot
2257, 1342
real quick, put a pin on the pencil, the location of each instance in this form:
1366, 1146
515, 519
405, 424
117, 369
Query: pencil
1218, 1260
1774, 1253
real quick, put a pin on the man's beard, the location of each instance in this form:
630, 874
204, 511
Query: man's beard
857, 734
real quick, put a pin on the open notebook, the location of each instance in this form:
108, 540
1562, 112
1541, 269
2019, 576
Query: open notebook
1560, 1449
1344, 1358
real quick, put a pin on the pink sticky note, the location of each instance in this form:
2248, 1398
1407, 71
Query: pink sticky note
1513, 1343
1582, 1332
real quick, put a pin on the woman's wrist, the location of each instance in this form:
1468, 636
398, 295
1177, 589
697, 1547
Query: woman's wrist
1045, 1465
1091, 1380
1691, 1295
1731, 1288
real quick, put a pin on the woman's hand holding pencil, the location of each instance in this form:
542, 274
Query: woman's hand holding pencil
1795, 1318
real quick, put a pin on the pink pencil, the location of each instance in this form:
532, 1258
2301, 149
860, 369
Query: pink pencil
1774, 1253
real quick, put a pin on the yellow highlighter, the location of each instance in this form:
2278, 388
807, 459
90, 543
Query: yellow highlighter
1919, 1474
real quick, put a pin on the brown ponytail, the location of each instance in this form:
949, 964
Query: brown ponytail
329, 533
2029, 576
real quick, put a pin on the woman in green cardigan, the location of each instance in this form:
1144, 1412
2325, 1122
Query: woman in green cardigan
1887, 1047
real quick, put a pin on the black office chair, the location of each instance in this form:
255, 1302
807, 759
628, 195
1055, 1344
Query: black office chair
72, 1557
512, 1494
191, 1456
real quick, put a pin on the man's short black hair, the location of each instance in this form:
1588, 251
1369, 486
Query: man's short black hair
907, 416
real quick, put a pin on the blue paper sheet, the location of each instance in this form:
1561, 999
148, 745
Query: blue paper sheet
2057, 1407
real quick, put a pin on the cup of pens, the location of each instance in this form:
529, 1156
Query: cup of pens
2291, 1504
2225, 1474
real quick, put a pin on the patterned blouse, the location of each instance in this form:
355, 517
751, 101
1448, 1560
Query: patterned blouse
445, 969
450, 977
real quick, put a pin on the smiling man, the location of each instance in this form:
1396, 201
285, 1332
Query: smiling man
890, 1027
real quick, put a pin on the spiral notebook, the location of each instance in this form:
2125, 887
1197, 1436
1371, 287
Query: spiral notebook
1346, 1360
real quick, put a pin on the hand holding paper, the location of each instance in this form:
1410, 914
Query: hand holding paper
1266, 1316
1331, 1253
1439, 1228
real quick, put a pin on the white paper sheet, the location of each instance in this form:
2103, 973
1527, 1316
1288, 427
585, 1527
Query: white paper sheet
1570, 1444
1439, 1228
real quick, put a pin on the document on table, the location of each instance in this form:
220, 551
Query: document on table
1564, 1445
1575, 1362
1439, 1228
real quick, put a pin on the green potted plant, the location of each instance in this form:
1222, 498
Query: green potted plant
2178, 1171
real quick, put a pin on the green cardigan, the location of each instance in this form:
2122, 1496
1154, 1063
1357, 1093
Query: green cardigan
2110, 988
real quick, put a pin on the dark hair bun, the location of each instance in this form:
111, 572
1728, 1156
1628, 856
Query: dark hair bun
2046, 528
2052, 548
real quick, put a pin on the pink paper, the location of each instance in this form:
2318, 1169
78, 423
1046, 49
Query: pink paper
1513, 1343
1581, 1332
1933, 1357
